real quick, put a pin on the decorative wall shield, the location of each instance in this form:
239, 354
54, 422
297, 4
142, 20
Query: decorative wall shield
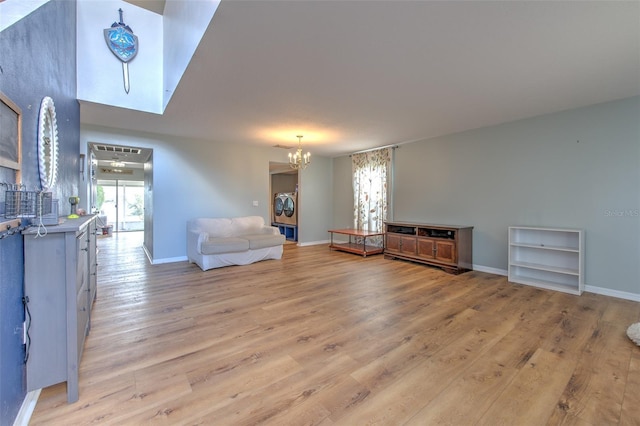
123, 44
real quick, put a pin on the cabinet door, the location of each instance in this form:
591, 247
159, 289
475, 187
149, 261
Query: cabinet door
45, 285
445, 251
426, 248
436, 249
393, 242
401, 244
408, 245
81, 259
93, 263
82, 318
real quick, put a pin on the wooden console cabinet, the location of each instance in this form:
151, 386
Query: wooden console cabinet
444, 246
60, 281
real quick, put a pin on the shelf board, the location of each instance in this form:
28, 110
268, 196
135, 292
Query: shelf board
548, 268
546, 247
546, 229
547, 284
357, 248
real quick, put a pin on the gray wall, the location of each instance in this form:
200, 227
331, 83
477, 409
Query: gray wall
195, 178
579, 168
284, 182
315, 195
37, 59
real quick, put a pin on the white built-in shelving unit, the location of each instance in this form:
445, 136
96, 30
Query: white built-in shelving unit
551, 258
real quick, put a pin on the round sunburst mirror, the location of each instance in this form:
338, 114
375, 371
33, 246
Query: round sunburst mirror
47, 144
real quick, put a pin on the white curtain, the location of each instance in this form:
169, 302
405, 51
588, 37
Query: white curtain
371, 171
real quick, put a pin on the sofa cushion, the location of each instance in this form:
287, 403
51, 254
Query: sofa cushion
224, 245
247, 225
258, 241
214, 227
227, 227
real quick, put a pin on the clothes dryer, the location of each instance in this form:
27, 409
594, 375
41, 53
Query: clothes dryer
284, 208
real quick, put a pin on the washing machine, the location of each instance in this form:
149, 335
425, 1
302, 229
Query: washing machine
284, 208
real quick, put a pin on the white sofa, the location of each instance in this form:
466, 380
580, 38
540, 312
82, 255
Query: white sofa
218, 242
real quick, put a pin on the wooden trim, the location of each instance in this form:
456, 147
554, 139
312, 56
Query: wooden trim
4, 162
8, 224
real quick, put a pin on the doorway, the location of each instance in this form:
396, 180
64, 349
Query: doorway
285, 203
120, 188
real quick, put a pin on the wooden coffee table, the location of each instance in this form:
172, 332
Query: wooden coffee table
357, 248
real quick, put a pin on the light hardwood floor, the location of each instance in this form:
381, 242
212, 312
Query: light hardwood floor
331, 338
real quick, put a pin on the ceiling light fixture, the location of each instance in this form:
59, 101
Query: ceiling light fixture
117, 164
298, 161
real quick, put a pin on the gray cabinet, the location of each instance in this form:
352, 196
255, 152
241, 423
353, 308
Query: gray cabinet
61, 285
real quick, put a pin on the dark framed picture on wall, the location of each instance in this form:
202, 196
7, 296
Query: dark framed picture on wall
10, 137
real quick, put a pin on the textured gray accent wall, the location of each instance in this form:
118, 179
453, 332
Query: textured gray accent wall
578, 168
37, 59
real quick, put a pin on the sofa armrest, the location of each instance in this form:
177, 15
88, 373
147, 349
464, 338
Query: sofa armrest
271, 230
194, 242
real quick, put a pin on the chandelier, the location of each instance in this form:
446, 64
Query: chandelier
298, 161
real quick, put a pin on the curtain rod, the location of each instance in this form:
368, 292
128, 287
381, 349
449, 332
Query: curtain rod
375, 149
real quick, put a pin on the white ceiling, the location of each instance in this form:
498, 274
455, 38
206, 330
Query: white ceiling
156, 6
353, 75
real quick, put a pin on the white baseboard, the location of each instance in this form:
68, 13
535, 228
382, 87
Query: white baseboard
588, 288
27, 407
490, 270
313, 243
613, 293
169, 260
147, 253
165, 260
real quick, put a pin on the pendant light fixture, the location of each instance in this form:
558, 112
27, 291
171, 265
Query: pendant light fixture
298, 161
